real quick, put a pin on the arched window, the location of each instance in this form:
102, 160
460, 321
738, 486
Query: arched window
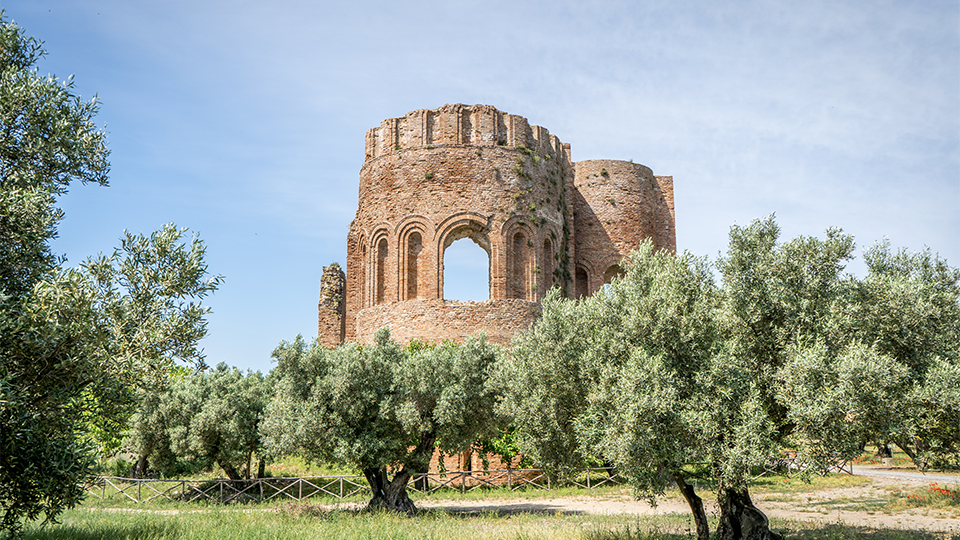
582, 283
466, 271
381, 262
520, 278
546, 265
414, 246
363, 273
613, 272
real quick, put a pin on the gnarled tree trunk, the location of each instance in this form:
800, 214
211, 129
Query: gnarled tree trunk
696, 506
740, 519
387, 494
392, 494
230, 470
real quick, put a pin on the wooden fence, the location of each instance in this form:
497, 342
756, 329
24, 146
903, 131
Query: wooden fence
223, 490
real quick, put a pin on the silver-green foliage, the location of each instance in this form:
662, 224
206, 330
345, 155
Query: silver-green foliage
625, 376
665, 374
214, 416
68, 360
781, 298
889, 367
636, 377
378, 405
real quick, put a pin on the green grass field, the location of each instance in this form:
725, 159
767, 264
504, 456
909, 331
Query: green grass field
283, 523
109, 519
120, 518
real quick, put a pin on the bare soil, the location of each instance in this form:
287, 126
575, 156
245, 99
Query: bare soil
861, 506
857, 506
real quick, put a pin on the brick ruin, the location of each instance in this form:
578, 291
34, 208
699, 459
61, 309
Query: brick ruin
433, 177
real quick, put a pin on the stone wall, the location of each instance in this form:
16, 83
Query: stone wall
617, 205
438, 320
331, 323
432, 177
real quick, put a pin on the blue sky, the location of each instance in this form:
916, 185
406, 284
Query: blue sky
245, 121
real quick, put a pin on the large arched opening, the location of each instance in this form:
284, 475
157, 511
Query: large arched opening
466, 271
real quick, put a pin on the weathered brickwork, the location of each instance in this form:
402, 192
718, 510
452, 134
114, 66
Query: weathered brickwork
331, 323
437, 320
617, 204
433, 177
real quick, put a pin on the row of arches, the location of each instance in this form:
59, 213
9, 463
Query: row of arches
407, 261
587, 280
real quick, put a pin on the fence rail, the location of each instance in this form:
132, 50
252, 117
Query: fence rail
222, 490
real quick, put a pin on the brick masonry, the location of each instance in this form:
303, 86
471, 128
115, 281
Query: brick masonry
433, 177
436, 320
331, 323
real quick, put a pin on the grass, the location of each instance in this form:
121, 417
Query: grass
297, 521
294, 522
296, 466
944, 498
604, 492
163, 520
817, 497
779, 484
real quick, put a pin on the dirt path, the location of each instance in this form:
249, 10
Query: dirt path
848, 505
909, 474
824, 506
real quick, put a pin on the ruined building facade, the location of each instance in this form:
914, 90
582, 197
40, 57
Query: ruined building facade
433, 177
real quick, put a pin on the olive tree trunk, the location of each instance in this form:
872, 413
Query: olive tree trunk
392, 494
740, 519
139, 469
230, 470
389, 494
696, 506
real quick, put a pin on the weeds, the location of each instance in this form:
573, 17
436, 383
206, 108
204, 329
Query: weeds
934, 496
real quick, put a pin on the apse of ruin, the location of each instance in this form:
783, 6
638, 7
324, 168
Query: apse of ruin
433, 177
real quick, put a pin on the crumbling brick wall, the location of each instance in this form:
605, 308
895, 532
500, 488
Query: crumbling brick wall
331, 323
436, 176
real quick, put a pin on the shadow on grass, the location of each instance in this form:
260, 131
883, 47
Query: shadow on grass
103, 531
504, 510
844, 532
825, 532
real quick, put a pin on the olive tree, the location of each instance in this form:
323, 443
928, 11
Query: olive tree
634, 376
889, 369
778, 298
214, 416
667, 375
380, 408
69, 357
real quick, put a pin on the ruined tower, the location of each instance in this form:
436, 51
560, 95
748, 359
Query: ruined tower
432, 177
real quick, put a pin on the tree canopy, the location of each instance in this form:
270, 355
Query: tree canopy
380, 406
215, 416
72, 344
670, 374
